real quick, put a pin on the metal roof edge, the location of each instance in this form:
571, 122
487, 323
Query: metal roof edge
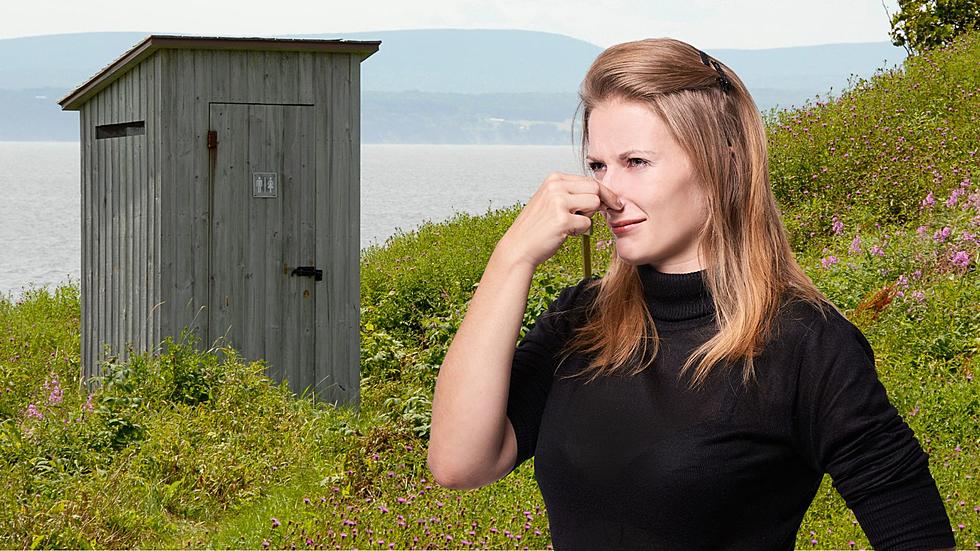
143, 49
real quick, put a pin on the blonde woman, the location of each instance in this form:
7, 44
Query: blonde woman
693, 396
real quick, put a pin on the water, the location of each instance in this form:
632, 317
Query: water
402, 186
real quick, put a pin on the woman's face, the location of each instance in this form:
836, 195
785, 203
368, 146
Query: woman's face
630, 151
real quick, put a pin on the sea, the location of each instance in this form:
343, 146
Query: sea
402, 187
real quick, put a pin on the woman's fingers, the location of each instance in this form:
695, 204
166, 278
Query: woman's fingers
608, 197
576, 184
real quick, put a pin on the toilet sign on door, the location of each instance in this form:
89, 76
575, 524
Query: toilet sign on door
265, 184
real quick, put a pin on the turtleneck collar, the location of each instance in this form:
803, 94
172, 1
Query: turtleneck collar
674, 298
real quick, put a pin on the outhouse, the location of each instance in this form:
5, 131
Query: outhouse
220, 196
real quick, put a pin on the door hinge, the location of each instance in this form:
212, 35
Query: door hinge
212, 139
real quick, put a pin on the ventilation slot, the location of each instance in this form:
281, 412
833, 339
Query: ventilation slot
134, 128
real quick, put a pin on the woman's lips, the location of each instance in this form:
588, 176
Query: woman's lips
630, 224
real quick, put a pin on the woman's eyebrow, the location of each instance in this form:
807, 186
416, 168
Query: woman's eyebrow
626, 154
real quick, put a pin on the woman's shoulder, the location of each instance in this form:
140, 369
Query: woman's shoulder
802, 321
577, 295
573, 300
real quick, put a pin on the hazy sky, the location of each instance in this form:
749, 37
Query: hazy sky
711, 24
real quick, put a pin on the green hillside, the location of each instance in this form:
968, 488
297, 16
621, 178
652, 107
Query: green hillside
877, 189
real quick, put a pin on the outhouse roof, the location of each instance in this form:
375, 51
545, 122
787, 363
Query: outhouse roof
153, 42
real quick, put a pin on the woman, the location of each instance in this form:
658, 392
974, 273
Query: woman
694, 396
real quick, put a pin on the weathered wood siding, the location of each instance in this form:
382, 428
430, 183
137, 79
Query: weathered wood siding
146, 202
119, 222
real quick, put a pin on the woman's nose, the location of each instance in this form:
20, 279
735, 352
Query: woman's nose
609, 183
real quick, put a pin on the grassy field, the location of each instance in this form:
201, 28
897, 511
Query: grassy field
179, 449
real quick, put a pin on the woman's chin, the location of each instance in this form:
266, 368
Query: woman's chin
630, 257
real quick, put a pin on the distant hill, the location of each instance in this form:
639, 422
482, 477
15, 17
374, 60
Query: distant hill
432, 85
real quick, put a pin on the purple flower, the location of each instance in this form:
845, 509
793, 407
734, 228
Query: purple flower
828, 261
919, 296
961, 259
967, 236
953, 197
855, 245
275, 522
941, 235
838, 226
32, 411
929, 200
921, 230
972, 199
903, 281
54, 387
876, 250
917, 274
265, 544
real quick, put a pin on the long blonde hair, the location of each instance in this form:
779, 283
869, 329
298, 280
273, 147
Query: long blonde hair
750, 266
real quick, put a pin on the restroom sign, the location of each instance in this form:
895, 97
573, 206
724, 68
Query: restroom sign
265, 184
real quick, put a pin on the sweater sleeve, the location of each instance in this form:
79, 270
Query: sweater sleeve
847, 427
534, 364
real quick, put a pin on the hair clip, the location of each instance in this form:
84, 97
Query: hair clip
726, 85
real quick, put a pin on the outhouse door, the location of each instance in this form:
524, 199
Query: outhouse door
263, 272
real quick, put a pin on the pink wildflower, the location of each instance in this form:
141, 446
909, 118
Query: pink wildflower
828, 261
855, 245
942, 234
929, 200
953, 197
32, 411
961, 259
54, 387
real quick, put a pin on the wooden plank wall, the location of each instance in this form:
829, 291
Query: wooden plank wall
118, 221
338, 248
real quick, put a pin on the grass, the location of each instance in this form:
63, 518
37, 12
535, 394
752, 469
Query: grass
195, 449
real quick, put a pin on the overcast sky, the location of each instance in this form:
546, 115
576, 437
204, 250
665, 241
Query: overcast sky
710, 24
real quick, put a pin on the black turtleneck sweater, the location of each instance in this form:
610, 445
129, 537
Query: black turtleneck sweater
642, 463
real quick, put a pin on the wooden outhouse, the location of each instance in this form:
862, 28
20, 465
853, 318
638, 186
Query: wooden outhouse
220, 188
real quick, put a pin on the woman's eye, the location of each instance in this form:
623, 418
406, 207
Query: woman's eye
596, 166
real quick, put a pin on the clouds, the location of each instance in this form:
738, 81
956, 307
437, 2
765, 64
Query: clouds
708, 24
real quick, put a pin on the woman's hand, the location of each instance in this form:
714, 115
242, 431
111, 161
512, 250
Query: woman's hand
562, 206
